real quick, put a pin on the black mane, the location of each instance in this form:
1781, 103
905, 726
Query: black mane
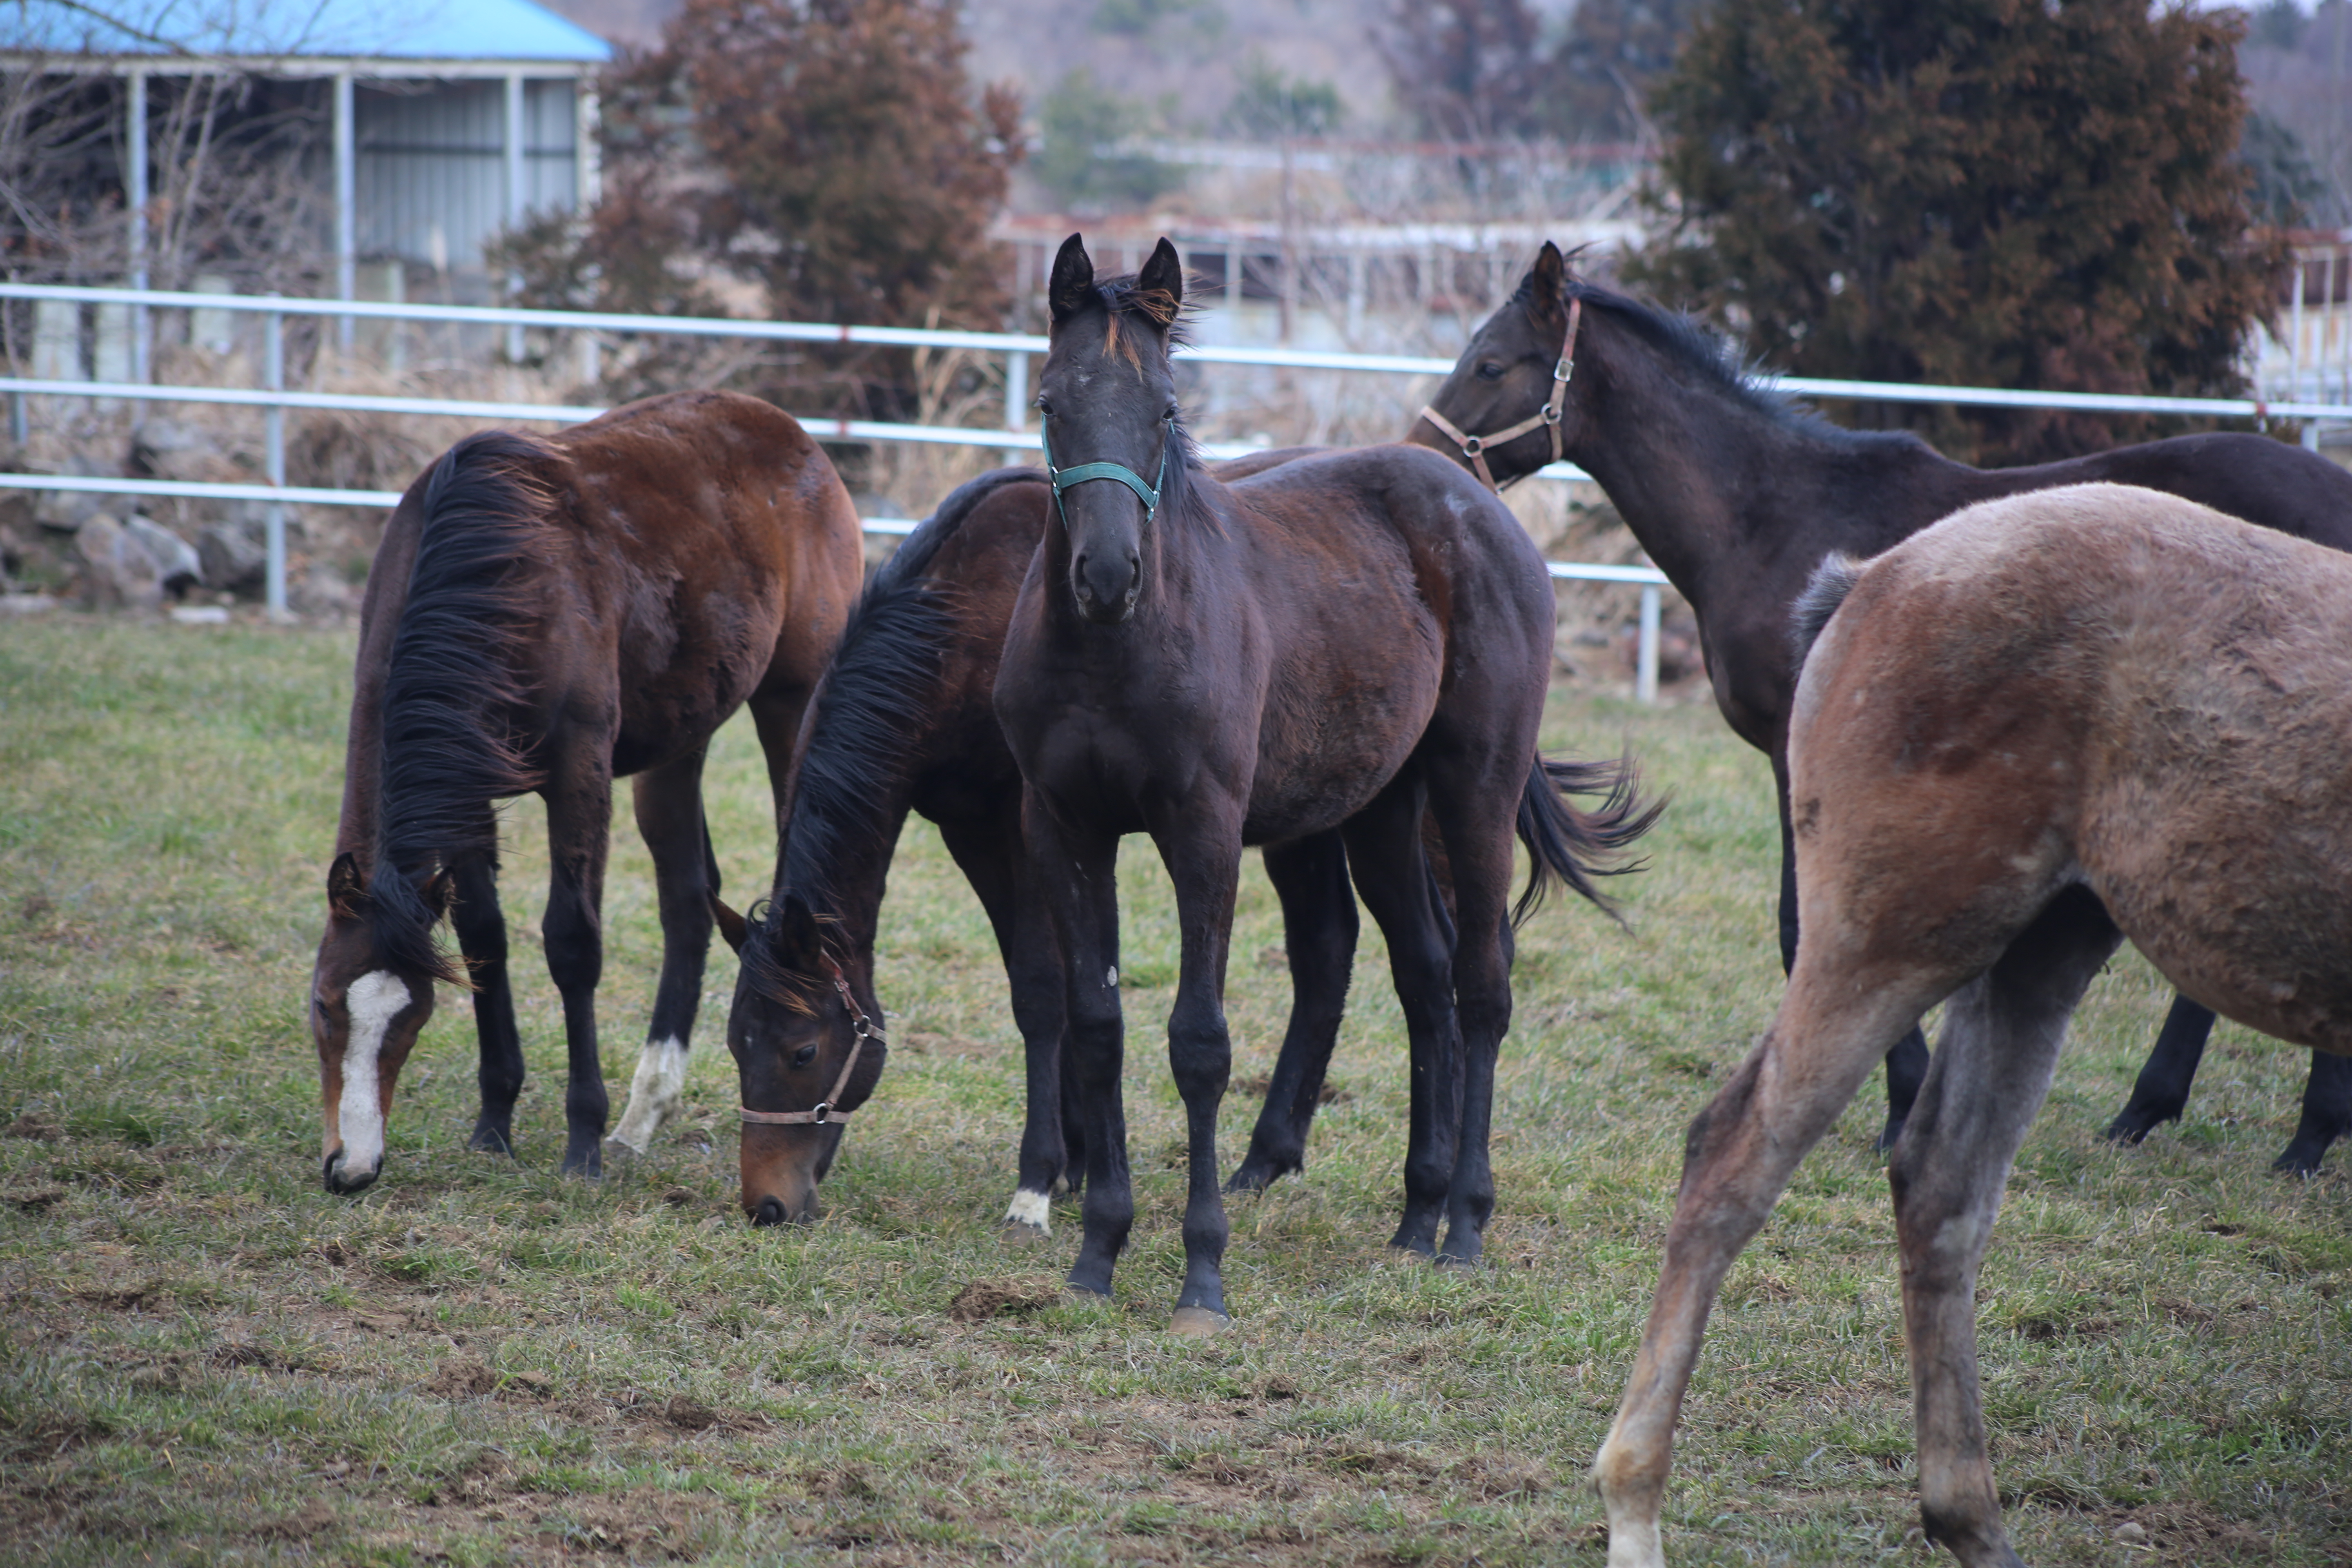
1123, 296
448, 684
1715, 362
848, 791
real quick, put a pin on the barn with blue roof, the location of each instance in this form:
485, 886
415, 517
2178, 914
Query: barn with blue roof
441, 123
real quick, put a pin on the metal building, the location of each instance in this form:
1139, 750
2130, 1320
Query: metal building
450, 120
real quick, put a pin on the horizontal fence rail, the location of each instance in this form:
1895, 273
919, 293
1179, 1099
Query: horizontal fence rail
1011, 439
1026, 344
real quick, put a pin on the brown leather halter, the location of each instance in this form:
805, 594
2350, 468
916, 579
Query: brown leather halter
822, 1114
1475, 447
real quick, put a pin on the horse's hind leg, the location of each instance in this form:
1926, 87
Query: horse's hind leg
1994, 1065
579, 830
1318, 926
1827, 1035
482, 928
669, 801
1384, 853
2326, 1113
2161, 1093
1907, 1063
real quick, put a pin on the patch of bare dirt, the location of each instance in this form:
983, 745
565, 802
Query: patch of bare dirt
985, 1298
34, 1126
309, 1520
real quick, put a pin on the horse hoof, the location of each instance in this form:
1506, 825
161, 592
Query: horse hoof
620, 1154
1021, 1233
1889, 1133
1198, 1322
491, 1141
1086, 1293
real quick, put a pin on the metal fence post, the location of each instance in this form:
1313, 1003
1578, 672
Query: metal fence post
273, 356
1645, 660
20, 427
1016, 401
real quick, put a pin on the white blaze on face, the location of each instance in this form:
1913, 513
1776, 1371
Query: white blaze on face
1032, 1209
373, 1001
654, 1094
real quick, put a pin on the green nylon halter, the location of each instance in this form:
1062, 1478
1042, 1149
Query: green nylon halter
1063, 479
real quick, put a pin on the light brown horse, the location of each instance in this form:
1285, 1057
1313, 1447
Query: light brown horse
549, 616
2039, 727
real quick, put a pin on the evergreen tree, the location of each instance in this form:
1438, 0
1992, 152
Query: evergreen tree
2010, 193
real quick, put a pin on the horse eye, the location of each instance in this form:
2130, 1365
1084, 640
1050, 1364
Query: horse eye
1490, 371
804, 1056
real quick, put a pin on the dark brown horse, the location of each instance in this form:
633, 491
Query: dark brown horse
1353, 641
905, 720
548, 616
1736, 496
2041, 726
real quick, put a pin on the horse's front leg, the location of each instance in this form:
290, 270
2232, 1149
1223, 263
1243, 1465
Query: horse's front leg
1319, 927
2161, 1093
482, 928
1203, 850
995, 862
669, 801
579, 830
1075, 872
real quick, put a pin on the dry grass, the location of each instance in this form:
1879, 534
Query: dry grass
204, 1358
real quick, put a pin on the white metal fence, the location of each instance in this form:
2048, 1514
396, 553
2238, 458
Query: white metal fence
1013, 438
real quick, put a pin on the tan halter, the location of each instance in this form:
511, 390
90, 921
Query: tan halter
1475, 447
822, 1114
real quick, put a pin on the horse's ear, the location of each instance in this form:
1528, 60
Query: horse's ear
1547, 278
346, 888
441, 893
1163, 274
731, 924
795, 939
1073, 280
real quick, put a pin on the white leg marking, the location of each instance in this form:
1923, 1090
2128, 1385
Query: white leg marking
374, 1000
655, 1094
1110, 978
1034, 1209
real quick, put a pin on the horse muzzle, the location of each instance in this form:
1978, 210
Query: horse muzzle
1107, 586
344, 1180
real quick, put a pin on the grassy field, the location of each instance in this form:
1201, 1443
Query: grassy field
204, 1357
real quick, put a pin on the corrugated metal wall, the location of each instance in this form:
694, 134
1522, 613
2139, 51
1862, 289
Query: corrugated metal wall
432, 165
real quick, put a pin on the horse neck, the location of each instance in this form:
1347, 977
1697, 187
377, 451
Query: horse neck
1715, 488
835, 852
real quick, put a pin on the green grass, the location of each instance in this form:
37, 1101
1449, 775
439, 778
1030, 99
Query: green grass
204, 1357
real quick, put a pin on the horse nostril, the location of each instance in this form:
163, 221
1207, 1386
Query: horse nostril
770, 1212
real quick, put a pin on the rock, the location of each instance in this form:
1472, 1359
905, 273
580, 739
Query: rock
25, 604
64, 511
229, 557
320, 592
176, 561
116, 566
174, 449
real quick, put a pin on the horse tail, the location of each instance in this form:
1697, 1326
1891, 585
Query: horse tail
1832, 581
1568, 846
451, 686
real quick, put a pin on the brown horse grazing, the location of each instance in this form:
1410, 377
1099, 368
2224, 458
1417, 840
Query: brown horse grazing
903, 721
2039, 727
548, 616
1349, 641
1738, 496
